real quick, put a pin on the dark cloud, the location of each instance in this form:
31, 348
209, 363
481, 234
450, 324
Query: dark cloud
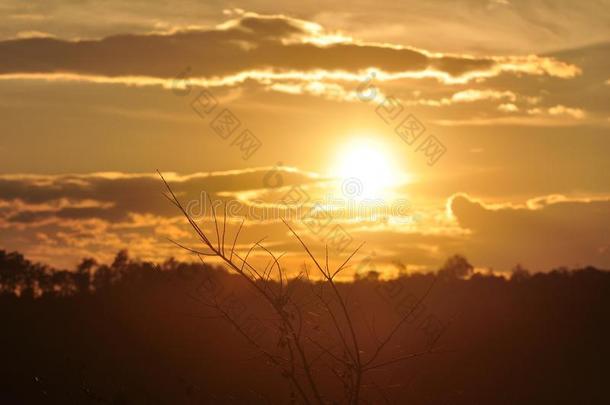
543, 235
109, 214
118, 196
252, 42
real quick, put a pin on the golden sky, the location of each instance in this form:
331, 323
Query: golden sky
422, 129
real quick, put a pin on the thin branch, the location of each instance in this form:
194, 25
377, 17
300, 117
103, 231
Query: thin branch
304, 247
406, 357
235, 240
343, 266
215, 221
197, 252
224, 227
399, 324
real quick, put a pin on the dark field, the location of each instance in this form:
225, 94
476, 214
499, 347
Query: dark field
135, 333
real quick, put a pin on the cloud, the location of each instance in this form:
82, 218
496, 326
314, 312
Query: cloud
252, 46
100, 213
113, 196
476, 95
543, 233
575, 113
62, 218
555, 116
469, 96
508, 107
34, 34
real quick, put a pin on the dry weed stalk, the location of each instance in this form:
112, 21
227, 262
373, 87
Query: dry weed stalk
298, 353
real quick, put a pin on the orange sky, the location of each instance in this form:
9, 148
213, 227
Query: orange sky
480, 129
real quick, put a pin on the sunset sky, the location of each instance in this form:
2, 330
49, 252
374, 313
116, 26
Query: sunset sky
479, 127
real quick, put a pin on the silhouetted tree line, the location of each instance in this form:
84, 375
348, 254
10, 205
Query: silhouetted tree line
135, 332
21, 277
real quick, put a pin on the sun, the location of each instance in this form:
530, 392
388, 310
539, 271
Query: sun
366, 170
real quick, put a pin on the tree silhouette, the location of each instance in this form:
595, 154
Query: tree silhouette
456, 267
519, 273
83, 275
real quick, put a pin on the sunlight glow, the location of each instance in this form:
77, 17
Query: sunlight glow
366, 170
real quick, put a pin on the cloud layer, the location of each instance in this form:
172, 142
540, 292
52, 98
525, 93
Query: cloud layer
62, 218
252, 45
